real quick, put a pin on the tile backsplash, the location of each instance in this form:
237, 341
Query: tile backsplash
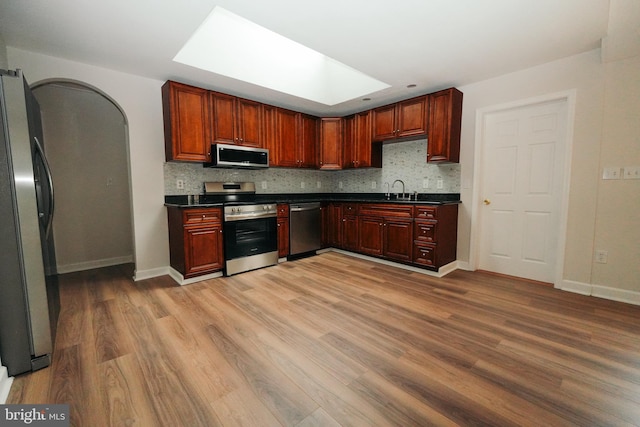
402, 160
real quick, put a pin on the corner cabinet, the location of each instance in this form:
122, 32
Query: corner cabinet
187, 122
358, 149
445, 120
195, 240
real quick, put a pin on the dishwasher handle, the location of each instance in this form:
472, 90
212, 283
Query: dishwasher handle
304, 207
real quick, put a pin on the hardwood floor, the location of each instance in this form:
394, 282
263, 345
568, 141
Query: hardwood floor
338, 341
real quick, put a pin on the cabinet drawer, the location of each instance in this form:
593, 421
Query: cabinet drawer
350, 208
283, 210
426, 212
200, 216
425, 231
424, 254
387, 210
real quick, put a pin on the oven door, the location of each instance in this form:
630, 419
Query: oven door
250, 237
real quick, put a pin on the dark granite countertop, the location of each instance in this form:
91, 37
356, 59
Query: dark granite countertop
202, 201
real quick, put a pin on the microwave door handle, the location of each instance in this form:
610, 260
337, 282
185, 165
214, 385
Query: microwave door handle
47, 169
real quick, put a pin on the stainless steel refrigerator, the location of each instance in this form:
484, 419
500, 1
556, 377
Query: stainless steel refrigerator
29, 301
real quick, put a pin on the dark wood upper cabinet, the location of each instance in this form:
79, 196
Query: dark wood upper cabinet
187, 122
331, 144
308, 134
236, 120
358, 149
445, 119
194, 118
403, 119
286, 136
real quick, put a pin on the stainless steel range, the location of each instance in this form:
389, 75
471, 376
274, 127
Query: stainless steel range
250, 228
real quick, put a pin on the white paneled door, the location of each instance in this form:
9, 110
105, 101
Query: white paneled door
522, 170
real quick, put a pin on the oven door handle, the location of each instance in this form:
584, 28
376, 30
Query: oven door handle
240, 217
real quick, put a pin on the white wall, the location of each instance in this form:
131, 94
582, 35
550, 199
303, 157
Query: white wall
141, 101
605, 131
86, 145
4, 63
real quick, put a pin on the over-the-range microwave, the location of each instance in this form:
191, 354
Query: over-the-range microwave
237, 156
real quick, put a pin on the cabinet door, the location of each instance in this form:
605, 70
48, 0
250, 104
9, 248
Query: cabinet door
412, 117
384, 122
249, 123
203, 250
187, 122
223, 112
350, 232
330, 153
308, 140
287, 138
398, 239
270, 132
348, 142
370, 239
283, 237
445, 120
334, 225
367, 153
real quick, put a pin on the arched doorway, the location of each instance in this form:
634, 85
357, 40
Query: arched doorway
86, 143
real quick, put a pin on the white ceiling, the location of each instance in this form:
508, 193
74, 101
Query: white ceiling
431, 43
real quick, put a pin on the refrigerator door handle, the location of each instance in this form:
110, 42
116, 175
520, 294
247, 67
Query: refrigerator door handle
50, 181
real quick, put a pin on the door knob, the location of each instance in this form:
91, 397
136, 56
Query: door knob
487, 202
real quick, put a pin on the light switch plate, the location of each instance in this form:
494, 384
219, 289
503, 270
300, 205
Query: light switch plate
611, 173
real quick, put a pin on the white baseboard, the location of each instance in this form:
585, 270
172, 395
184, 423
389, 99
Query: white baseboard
179, 278
5, 384
599, 291
150, 274
443, 271
89, 265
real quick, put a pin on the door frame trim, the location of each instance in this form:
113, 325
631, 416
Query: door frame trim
569, 96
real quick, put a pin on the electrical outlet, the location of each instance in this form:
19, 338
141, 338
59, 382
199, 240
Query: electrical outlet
631, 172
373, 185
180, 184
425, 183
263, 184
340, 185
319, 184
611, 173
109, 182
440, 184
601, 256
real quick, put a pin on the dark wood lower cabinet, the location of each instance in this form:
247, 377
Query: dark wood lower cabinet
422, 235
350, 232
283, 230
195, 240
371, 237
398, 242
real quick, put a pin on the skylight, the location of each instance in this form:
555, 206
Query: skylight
235, 47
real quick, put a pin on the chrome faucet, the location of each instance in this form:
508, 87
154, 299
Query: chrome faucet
401, 182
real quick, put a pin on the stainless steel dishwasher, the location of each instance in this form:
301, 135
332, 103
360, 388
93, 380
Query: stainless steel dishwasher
305, 227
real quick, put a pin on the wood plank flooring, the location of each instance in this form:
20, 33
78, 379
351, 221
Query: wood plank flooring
334, 340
